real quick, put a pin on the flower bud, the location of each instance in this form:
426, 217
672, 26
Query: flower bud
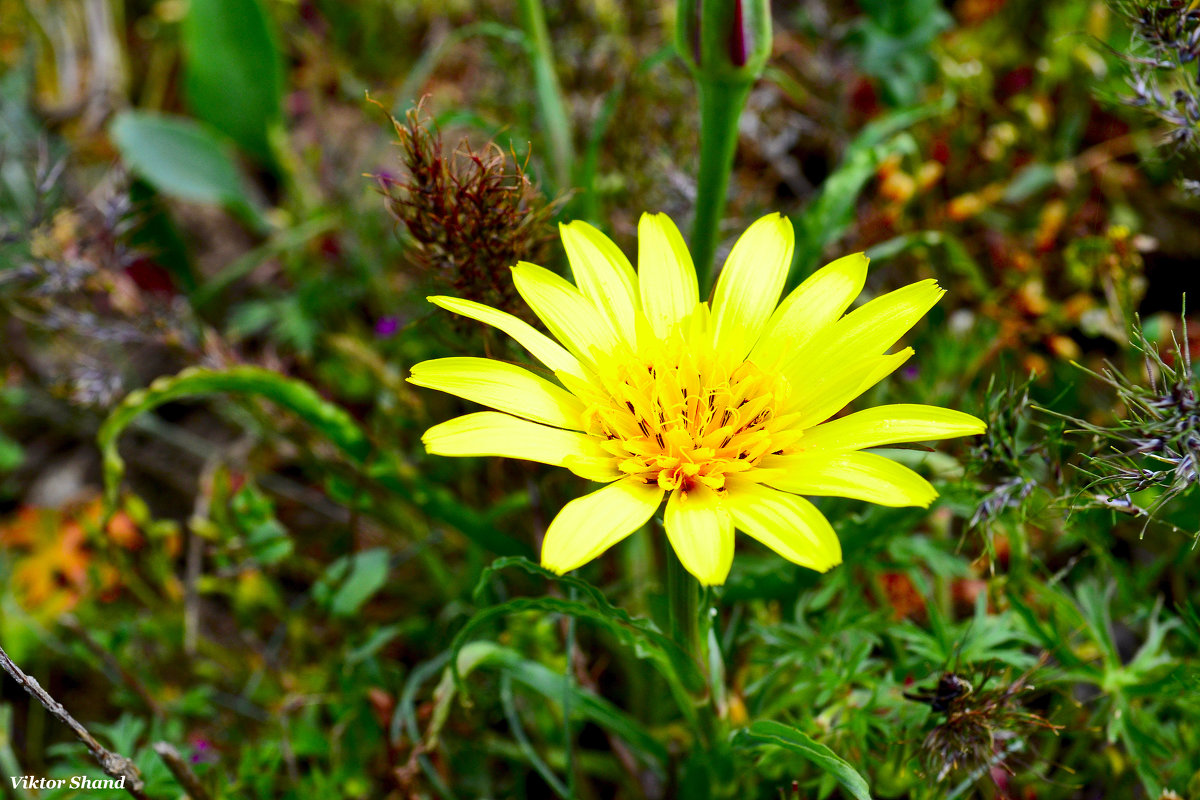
724, 40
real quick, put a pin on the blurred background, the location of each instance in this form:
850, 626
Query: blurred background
229, 184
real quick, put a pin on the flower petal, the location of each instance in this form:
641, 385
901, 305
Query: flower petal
820, 395
589, 525
539, 345
814, 305
868, 330
603, 274
490, 433
862, 476
596, 468
879, 324
874, 427
502, 386
789, 525
701, 533
750, 283
569, 315
666, 275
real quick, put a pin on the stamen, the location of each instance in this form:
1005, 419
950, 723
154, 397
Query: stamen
698, 419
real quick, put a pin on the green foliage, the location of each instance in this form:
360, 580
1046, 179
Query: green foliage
234, 72
184, 159
766, 732
351, 581
294, 594
827, 215
674, 665
894, 42
296, 396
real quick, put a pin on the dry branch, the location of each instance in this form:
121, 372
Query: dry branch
114, 765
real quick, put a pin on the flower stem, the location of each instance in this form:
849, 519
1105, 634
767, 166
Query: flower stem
683, 599
721, 104
689, 621
549, 94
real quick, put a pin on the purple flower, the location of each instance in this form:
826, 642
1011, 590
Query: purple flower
387, 326
203, 752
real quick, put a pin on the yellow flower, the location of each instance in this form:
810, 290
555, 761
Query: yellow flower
721, 410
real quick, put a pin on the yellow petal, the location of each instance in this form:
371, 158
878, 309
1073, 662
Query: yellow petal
820, 395
597, 468
749, 285
877, 325
666, 276
539, 345
569, 315
868, 330
874, 427
701, 533
813, 306
862, 476
502, 386
589, 525
884, 367
490, 433
789, 525
603, 274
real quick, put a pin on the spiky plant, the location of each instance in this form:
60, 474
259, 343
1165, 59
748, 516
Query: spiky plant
1156, 443
468, 215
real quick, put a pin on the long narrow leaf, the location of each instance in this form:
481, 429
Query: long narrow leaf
328, 418
766, 732
553, 686
670, 659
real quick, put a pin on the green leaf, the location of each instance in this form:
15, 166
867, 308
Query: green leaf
1031, 180
671, 660
686, 668
181, 158
766, 732
682, 674
233, 75
379, 638
350, 581
831, 212
329, 419
11, 453
554, 686
294, 395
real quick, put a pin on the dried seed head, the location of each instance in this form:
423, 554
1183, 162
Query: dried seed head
469, 215
982, 728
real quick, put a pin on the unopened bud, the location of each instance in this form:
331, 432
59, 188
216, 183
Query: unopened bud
724, 40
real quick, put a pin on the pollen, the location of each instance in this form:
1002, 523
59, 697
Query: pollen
680, 418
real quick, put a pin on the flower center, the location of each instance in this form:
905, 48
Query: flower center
681, 418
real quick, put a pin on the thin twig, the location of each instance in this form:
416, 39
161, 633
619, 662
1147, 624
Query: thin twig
182, 772
114, 765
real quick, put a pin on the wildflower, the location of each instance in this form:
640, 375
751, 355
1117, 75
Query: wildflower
386, 327
716, 408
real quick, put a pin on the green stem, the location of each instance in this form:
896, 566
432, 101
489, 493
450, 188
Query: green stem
721, 105
688, 619
568, 685
683, 603
549, 93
